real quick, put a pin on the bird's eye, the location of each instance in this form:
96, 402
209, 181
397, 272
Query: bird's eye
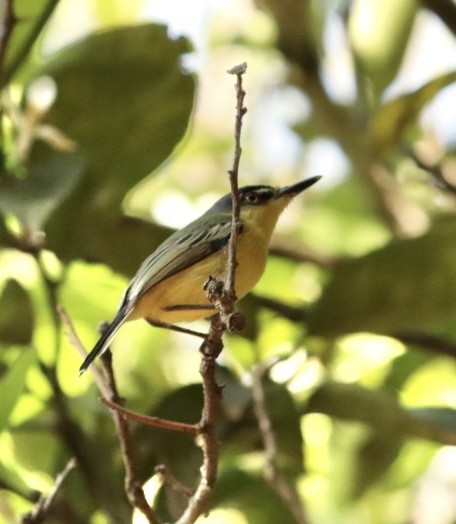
251, 198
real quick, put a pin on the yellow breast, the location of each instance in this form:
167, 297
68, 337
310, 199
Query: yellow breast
186, 287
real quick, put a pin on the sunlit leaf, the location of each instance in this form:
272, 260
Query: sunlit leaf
404, 366
12, 385
379, 33
408, 284
392, 118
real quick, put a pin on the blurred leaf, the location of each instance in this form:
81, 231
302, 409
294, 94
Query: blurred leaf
250, 494
392, 118
30, 20
27, 442
33, 198
374, 459
123, 98
379, 33
379, 409
12, 385
406, 285
16, 320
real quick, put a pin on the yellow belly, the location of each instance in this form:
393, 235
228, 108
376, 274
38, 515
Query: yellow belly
186, 287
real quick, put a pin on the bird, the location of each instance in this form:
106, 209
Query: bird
168, 287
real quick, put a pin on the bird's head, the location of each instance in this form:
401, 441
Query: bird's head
263, 204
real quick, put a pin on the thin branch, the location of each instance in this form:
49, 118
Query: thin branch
177, 329
233, 173
172, 481
133, 487
436, 171
272, 473
39, 513
6, 73
9, 19
67, 427
223, 296
75, 341
148, 420
210, 349
107, 387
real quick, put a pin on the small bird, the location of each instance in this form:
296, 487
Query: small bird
168, 286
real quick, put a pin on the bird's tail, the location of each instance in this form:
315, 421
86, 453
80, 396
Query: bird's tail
103, 342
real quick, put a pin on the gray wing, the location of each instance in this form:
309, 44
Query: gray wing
181, 250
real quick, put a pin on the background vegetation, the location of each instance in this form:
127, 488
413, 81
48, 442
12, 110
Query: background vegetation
354, 319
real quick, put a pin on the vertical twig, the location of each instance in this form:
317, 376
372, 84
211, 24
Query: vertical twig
223, 296
198, 504
233, 173
272, 473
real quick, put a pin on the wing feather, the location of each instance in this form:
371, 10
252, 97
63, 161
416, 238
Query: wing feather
181, 250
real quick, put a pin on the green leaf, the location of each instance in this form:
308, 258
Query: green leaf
33, 198
406, 285
382, 413
391, 120
379, 33
16, 320
125, 101
250, 494
123, 98
379, 409
374, 459
12, 385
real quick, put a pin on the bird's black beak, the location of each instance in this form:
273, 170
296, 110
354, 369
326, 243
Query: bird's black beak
295, 189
